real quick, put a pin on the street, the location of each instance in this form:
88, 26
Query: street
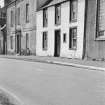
37, 83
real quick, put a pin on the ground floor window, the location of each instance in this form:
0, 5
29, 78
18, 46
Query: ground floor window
11, 41
73, 38
27, 40
45, 39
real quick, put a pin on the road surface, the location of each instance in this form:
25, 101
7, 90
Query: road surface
37, 83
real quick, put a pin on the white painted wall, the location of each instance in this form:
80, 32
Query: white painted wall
64, 27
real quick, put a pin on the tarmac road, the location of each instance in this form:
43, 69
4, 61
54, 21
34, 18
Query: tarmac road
35, 83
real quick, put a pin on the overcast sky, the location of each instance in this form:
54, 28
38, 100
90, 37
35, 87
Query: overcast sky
1, 3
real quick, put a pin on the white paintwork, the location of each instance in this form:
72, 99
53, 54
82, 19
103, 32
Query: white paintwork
64, 27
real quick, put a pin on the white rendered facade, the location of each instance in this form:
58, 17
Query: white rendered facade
64, 28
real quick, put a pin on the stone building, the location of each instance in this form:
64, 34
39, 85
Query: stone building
95, 30
61, 28
21, 26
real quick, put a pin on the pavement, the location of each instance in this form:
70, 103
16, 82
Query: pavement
85, 64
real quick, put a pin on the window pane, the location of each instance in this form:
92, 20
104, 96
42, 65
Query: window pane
74, 43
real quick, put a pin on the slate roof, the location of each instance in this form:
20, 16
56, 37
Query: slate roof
51, 3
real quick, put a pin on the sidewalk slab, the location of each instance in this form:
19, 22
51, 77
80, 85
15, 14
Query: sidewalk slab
86, 64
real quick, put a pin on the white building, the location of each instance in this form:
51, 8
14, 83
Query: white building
60, 29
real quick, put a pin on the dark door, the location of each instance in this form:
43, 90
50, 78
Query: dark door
57, 43
18, 44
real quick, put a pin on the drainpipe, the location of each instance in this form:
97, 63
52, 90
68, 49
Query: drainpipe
6, 31
15, 26
85, 25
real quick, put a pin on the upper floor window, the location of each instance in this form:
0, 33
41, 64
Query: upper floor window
58, 14
101, 18
12, 18
73, 10
18, 16
45, 17
27, 13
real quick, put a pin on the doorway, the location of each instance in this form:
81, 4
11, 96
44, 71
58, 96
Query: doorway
57, 43
18, 38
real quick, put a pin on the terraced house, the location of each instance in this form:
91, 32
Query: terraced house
21, 26
60, 29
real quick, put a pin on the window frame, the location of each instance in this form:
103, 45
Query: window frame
72, 38
45, 17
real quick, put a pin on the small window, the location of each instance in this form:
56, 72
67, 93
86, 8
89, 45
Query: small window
45, 38
27, 40
27, 13
12, 18
45, 17
58, 14
73, 38
73, 10
64, 37
11, 39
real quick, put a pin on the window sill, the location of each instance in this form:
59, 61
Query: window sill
100, 38
45, 26
57, 24
72, 21
27, 22
73, 49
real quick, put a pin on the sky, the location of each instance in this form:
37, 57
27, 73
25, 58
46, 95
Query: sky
1, 3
